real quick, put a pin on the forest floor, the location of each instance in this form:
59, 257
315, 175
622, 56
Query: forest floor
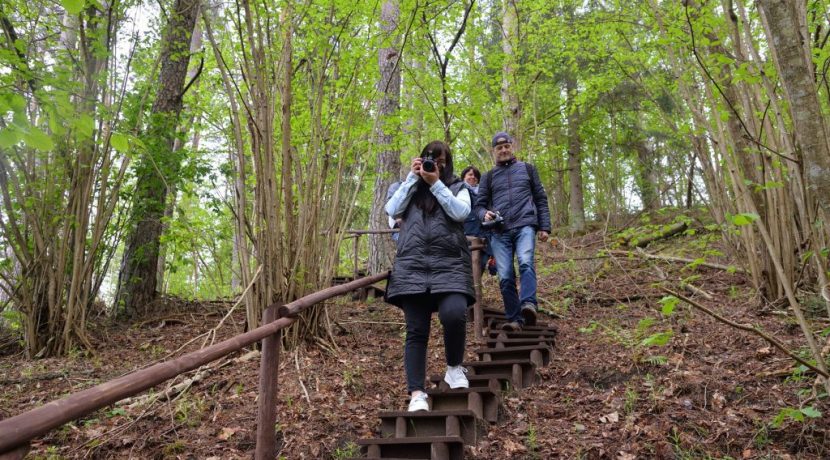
711, 391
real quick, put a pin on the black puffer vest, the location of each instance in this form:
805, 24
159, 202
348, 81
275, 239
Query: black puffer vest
432, 257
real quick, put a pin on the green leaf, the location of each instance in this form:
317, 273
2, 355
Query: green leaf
787, 413
55, 124
811, 412
591, 328
657, 360
8, 137
657, 340
669, 303
695, 263
120, 142
37, 139
744, 218
644, 324
86, 126
73, 6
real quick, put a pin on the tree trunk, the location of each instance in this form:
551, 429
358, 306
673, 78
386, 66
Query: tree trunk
576, 208
238, 157
381, 247
195, 46
155, 176
646, 177
790, 47
511, 105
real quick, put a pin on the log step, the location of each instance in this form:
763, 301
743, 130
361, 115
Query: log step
484, 402
529, 341
502, 381
496, 324
539, 355
522, 372
464, 423
427, 447
523, 334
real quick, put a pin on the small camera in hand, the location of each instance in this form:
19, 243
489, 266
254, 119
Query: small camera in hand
428, 164
497, 221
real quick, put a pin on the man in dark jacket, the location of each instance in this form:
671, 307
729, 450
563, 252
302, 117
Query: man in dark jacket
512, 202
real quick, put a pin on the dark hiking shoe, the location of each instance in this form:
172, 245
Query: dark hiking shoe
512, 326
529, 313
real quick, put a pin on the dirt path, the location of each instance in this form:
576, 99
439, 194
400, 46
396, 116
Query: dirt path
605, 395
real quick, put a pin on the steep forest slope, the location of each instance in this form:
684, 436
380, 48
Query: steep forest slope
635, 374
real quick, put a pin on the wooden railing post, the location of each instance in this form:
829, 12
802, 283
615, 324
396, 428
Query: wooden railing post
16, 454
356, 241
478, 318
266, 439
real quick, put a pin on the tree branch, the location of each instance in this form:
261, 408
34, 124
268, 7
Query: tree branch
748, 328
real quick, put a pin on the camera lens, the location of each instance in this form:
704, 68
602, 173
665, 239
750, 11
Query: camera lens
428, 165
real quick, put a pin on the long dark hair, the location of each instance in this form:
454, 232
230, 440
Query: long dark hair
423, 198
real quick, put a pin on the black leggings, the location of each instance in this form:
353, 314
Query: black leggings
452, 311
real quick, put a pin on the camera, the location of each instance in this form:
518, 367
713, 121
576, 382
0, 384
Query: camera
489, 224
428, 164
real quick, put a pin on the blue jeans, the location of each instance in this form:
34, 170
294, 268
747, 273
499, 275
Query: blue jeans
418, 309
521, 242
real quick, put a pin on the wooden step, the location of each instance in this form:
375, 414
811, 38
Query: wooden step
502, 381
495, 324
538, 354
484, 402
523, 334
522, 372
426, 447
521, 342
464, 423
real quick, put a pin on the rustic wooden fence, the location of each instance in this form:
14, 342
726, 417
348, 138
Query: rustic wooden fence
17, 432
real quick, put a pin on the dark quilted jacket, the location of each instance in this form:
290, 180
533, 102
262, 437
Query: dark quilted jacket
432, 256
516, 192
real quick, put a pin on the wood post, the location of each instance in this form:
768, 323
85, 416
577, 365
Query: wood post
453, 426
400, 427
16, 454
266, 445
356, 241
478, 316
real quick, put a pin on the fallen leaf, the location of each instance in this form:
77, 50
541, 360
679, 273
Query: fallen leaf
718, 400
227, 432
512, 447
625, 456
613, 417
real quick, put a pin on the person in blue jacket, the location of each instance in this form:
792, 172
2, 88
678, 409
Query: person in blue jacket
512, 201
472, 226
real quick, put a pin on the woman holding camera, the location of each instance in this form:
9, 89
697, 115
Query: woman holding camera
432, 270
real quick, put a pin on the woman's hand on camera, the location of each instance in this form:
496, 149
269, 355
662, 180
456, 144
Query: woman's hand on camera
416, 166
430, 177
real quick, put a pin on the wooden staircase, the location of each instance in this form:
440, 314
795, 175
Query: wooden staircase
508, 362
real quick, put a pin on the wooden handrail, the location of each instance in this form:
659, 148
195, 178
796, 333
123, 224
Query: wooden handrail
17, 431
374, 232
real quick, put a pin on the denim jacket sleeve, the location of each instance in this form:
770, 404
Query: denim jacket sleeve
397, 204
456, 206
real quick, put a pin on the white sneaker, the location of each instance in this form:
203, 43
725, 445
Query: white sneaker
418, 402
455, 377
